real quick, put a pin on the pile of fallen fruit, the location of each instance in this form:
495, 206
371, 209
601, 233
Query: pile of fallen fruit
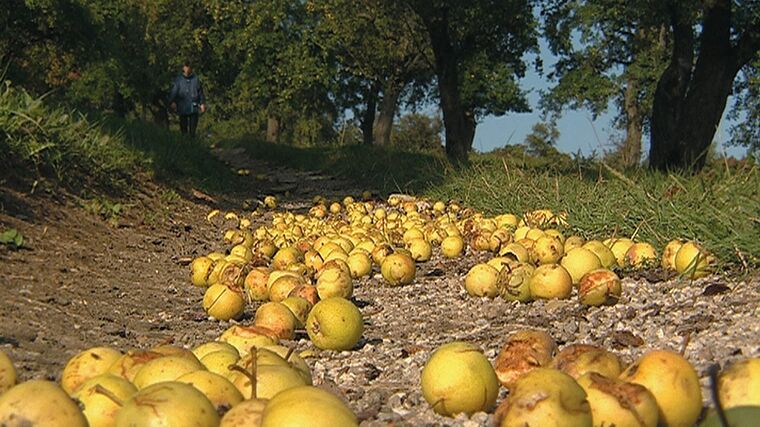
299, 272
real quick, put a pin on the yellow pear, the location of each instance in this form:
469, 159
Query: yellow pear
101, 397
481, 281
217, 388
307, 406
247, 413
39, 403
167, 368
87, 364
580, 261
524, 351
618, 403
550, 281
169, 403
335, 324
739, 384
8, 376
398, 269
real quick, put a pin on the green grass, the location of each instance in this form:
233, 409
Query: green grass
98, 154
720, 207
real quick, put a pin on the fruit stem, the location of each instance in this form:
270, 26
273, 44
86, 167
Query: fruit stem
686, 341
289, 353
109, 394
712, 372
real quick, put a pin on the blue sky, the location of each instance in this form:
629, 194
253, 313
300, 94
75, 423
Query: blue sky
578, 131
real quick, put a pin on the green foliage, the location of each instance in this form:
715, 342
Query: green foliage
542, 139
105, 209
39, 141
418, 132
12, 238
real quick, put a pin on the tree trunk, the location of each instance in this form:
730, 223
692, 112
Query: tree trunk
388, 105
689, 101
631, 149
368, 118
458, 133
273, 129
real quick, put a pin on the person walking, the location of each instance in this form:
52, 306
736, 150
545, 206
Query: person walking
187, 99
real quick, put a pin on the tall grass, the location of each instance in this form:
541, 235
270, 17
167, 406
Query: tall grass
720, 207
98, 154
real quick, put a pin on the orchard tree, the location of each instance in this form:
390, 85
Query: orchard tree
607, 51
712, 41
380, 49
478, 49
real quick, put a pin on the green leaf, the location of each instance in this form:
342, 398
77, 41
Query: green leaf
9, 236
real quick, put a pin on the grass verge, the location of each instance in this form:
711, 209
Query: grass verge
720, 207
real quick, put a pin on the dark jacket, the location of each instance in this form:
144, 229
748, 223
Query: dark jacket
187, 92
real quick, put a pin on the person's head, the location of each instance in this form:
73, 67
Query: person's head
187, 69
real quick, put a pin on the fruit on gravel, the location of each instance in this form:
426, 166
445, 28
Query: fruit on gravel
674, 384
170, 403
283, 286
334, 282
200, 268
618, 403
217, 389
167, 368
420, 249
579, 359
307, 406
640, 255
8, 376
515, 251
129, 364
300, 308
600, 287
307, 292
360, 264
606, 257
548, 250
524, 351
668, 261
550, 281
87, 364
693, 262
452, 246
101, 397
481, 281
514, 282
739, 384
39, 403
207, 348
223, 302
245, 337
245, 414
335, 324
545, 397
739, 416
580, 261
255, 284
398, 269
278, 318
619, 248
458, 378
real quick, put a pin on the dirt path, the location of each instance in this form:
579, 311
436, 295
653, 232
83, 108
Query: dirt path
83, 283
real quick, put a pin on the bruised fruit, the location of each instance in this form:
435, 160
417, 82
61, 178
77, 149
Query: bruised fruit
245, 337
739, 384
283, 286
458, 378
640, 255
87, 364
307, 406
420, 249
545, 397
606, 257
550, 281
334, 282
579, 359
600, 287
255, 284
580, 261
223, 302
335, 324
674, 384
481, 281
101, 397
524, 351
359, 264
200, 268
300, 308
618, 403
398, 269
278, 318
548, 250
514, 282
39, 403
129, 364
169, 403
668, 261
